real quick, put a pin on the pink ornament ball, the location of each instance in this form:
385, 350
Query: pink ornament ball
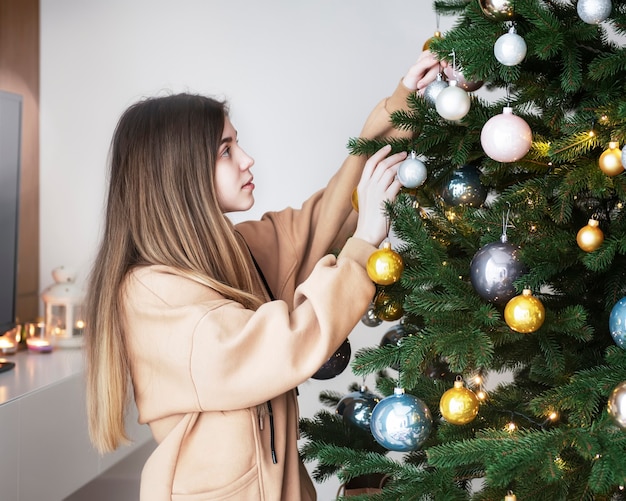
506, 137
457, 74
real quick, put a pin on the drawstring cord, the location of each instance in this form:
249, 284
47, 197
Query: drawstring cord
272, 447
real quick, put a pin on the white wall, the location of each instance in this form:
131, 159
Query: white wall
301, 77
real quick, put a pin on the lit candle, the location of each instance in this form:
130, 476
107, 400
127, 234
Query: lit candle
7, 346
37, 344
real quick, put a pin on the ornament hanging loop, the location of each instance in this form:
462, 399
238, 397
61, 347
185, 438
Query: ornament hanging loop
505, 223
453, 54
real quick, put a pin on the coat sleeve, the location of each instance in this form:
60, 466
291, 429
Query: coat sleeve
192, 350
287, 244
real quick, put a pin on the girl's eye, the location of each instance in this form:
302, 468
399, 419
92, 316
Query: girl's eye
226, 152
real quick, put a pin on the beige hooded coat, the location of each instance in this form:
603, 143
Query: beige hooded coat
204, 368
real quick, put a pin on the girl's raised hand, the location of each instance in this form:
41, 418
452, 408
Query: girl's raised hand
423, 72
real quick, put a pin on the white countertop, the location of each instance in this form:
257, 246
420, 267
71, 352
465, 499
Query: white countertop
34, 371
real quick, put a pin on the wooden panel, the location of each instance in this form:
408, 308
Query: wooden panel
19, 73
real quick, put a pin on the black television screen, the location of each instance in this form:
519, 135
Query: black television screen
10, 141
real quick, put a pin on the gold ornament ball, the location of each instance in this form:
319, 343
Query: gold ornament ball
498, 10
616, 406
610, 161
355, 200
385, 265
590, 237
387, 308
524, 313
459, 405
427, 42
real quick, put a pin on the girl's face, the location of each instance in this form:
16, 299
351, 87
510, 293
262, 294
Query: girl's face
233, 179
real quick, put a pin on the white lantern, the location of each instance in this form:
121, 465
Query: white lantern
63, 302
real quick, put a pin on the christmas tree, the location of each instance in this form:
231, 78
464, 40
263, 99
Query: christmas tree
507, 256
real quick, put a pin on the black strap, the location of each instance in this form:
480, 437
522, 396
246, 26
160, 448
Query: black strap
269, 403
265, 284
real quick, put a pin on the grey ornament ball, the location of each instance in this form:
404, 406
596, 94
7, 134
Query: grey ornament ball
433, 89
510, 49
593, 11
624, 156
617, 405
464, 188
412, 172
493, 270
369, 318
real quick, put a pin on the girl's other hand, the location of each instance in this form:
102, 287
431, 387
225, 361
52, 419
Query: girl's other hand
378, 184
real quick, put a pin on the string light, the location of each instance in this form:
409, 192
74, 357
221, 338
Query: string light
511, 427
450, 215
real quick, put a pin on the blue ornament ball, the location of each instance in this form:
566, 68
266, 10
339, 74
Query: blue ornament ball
356, 408
335, 364
617, 323
493, 270
401, 422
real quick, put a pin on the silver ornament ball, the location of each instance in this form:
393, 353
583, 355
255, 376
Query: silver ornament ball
433, 89
493, 271
412, 172
593, 11
369, 318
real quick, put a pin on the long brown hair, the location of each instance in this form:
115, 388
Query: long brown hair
161, 209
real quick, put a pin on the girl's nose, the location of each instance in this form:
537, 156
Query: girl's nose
246, 161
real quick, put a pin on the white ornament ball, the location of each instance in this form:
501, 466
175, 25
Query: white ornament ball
506, 137
510, 48
452, 103
624, 156
412, 172
593, 11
